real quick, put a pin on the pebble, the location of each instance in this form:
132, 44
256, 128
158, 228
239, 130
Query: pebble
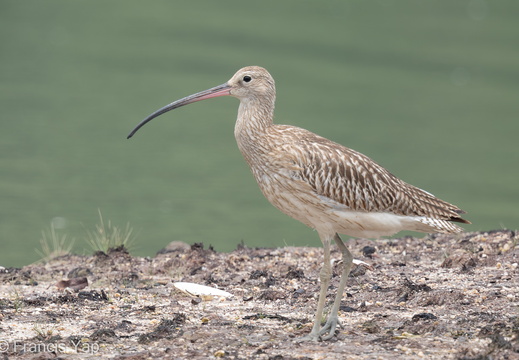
219, 353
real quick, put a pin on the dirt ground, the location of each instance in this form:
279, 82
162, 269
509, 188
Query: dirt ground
438, 297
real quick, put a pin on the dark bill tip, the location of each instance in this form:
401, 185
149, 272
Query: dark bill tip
220, 90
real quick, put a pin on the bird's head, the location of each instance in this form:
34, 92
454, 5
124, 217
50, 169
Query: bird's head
251, 83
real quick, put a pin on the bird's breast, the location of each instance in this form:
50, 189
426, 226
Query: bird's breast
286, 191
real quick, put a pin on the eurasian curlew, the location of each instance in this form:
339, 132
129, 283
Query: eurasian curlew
329, 187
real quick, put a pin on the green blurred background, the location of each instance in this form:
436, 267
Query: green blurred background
428, 89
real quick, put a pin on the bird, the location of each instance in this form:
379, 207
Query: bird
326, 186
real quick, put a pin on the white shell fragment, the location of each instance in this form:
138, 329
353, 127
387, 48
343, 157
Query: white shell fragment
362, 263
200, 290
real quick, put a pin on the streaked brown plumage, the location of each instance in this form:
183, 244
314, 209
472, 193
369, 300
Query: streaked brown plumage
327, 186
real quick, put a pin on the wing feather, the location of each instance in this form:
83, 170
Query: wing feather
357, 182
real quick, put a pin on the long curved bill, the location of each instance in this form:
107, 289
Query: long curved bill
220, 90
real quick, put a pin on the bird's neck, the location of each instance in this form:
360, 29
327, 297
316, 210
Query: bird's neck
254, 118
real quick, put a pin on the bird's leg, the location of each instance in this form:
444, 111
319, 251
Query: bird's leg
333, 319
324, 276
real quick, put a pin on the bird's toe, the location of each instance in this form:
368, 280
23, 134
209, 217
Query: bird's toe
310, 337
328, 330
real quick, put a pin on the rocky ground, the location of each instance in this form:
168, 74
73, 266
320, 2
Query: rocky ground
438, 297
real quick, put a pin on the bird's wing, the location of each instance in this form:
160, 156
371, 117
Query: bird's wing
357, 182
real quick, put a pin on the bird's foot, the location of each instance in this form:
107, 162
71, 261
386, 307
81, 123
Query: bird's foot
325, 333
310, 337
329, 328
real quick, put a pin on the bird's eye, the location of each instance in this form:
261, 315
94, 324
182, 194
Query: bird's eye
247, 78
